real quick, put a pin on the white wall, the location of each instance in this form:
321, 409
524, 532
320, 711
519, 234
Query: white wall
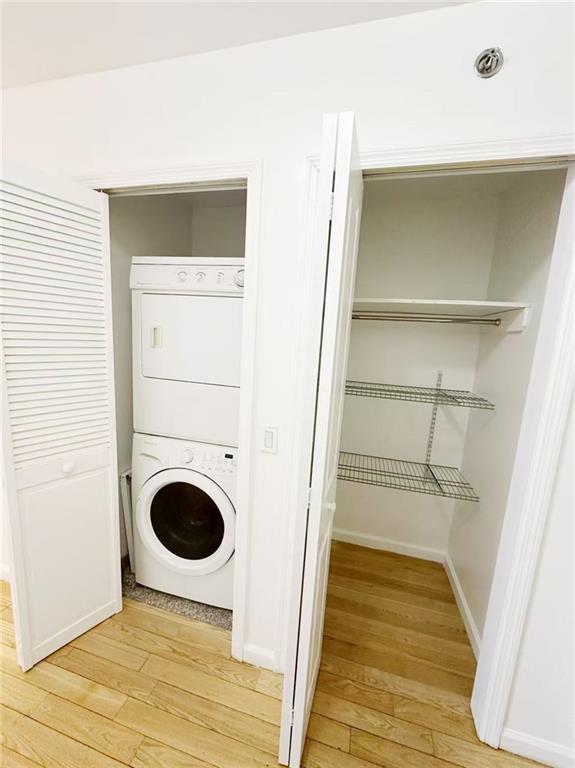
540, 720
420, 238
523, 247
411, 83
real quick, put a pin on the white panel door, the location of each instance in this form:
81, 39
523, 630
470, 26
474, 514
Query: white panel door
191, 338
338, 220
58, 430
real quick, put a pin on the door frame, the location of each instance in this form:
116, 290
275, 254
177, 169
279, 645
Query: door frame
552, 375
141, 181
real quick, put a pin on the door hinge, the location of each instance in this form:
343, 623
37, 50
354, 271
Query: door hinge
308, 496
291, 717
331, 202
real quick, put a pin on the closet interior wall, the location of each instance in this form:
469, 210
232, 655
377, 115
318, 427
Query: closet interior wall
209, 224
478, 237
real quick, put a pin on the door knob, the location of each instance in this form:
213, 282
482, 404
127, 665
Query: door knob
68, 467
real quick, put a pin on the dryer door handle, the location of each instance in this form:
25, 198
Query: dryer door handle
156, 337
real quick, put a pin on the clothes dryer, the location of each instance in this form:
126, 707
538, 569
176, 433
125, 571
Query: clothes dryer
187, 339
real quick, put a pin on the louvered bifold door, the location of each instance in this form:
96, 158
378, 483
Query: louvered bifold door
59, 446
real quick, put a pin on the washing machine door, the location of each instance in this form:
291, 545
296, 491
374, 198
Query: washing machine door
186, 521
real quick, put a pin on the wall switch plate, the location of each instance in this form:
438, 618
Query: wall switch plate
269, 439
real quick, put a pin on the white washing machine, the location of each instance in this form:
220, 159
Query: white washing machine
184, 517
187, 340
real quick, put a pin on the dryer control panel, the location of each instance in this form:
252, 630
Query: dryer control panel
214, 277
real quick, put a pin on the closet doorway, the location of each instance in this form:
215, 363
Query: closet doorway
439, 327
75, 489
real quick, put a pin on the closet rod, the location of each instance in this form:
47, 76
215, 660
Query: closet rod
420, 318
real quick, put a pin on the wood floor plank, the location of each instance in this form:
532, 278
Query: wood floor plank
135, 684
10, 759
321, 756
355, 691
362, 582
361, 611
387, 579
68, 685
149, 642
96, 731
51, 749
461, 753
196, 655
183, 735
402, 665
341, 621
215, 689
153, 754
386, 753
437, 719
461, 665
270, 683
330, 732
216, 717
403, 610
19, 695
177, 627
341, 549
373, 721
381, 680
113, 650
8, 719
409, 571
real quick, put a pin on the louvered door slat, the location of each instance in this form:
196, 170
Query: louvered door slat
57, 390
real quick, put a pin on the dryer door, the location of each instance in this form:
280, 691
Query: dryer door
186, 521
191, 338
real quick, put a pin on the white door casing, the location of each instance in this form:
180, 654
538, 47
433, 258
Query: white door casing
58, 419
335, 247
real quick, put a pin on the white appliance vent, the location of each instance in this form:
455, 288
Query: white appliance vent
53, 325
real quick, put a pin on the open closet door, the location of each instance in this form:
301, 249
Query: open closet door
339, 199
58, 422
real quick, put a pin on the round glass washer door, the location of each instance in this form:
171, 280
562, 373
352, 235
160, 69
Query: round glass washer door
186, 521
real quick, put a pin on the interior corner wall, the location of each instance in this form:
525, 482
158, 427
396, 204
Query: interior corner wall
265, 102
523, 249
429, 238
540, 720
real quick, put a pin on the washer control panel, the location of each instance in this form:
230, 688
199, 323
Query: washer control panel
191, 275
209, 458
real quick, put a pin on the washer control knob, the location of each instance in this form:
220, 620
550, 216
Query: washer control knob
182, 276
239, 278
220, 277
200, 276
188, 456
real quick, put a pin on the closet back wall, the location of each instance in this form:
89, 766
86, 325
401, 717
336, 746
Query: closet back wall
265, 101
429, 238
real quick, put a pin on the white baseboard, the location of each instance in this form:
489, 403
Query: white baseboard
259, 657
390, 545
470, 625
546, 752
4, 572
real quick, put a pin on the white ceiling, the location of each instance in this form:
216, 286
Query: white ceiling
47, 40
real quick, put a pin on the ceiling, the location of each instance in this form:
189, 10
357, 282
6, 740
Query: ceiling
47, 40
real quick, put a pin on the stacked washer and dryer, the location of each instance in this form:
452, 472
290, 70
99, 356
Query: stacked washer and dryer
186, 331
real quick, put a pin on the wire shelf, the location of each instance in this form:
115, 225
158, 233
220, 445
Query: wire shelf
454, 397
414, 476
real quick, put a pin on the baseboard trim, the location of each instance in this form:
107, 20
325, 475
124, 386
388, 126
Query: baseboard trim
4, 572
546, 752
470, 625
389, 545
259, 657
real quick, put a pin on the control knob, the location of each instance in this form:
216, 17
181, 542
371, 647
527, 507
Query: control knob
239, 278
200, 276
188, 456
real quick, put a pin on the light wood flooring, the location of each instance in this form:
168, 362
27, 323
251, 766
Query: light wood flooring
154, 690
